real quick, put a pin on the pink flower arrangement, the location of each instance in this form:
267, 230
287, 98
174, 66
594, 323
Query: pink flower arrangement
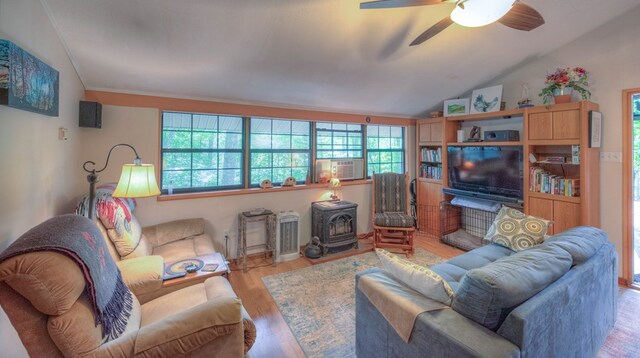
575, 78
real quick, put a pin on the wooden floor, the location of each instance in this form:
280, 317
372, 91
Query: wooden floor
274, 337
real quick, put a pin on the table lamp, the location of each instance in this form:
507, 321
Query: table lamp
137, 180
334, 184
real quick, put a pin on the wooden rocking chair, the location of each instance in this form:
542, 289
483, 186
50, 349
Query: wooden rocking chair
392, 223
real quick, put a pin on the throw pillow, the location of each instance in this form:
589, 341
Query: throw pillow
128, 239
417, 277
516, 230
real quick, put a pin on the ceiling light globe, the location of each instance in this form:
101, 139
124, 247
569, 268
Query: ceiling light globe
478, 13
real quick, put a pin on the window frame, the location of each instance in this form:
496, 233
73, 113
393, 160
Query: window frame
346, 131
201, 189
401, 150
246, 152
251, 151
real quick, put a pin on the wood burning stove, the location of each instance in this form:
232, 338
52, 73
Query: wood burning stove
335, 223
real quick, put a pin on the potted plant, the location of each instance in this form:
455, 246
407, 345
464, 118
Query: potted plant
563, 82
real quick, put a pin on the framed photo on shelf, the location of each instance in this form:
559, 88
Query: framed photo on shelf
595, 129
486, 99
456, 107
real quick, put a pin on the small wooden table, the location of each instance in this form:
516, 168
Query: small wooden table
215, 258
270, 223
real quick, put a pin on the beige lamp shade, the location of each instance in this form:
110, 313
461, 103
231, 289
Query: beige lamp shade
137, 181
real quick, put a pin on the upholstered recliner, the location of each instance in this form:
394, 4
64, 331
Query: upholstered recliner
45, 296
141, 253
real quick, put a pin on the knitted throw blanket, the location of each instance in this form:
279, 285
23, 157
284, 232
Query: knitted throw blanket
80, 239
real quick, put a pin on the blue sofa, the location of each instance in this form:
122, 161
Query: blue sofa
558, 299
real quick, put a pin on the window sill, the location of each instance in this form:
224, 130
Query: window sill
213, 194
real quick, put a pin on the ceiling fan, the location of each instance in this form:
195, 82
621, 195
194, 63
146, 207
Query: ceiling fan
470, 13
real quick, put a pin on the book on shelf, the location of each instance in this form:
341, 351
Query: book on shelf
431, 171
541, 181
431, 155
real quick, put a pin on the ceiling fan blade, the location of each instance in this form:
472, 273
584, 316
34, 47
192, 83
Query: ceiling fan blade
432, 31
522, 17
386, 4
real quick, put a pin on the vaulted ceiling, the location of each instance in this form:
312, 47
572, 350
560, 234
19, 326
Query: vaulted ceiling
317, 54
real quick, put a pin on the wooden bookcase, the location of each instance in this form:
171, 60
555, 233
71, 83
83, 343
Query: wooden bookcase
432, 135
555, 131
547, 131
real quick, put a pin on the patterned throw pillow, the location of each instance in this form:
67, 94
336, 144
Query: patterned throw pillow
516, 230
417, 277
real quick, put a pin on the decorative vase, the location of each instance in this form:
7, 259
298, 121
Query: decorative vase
562, 94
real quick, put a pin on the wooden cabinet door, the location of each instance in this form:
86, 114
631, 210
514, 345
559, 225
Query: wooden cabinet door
566, 124
430, 132
435, 195
542, 208
429, 198
423, 192
540, 126
424, 132
436, 132
565, 216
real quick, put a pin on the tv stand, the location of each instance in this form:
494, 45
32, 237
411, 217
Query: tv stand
484, 196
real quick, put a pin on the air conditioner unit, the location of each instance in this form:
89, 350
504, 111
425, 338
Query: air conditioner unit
287, 236
339, 168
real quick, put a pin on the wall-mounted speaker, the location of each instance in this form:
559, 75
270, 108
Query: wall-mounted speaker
90, 114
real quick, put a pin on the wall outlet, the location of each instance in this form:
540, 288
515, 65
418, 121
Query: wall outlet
615, 157
226, 234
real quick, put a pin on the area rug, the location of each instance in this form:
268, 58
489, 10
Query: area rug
318, 302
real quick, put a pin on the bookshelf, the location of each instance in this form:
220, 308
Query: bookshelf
431, 136
563, 184
548, 133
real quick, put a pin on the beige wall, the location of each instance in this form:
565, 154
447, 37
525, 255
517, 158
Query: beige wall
139, 127
40, 174
611, 53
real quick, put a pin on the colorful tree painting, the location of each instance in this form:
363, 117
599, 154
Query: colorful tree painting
26, 82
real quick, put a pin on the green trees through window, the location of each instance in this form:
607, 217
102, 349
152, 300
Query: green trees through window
205, 152
338, 140
201, 151
385, 149
279, 149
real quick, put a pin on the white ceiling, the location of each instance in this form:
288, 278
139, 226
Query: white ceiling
317, 54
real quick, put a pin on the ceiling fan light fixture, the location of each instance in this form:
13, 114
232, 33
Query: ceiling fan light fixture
476, 13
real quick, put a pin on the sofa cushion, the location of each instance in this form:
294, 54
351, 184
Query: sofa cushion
183, 249
487, 294
516, 230
453, 270
392, 219
417, 277
581, 242
51, 281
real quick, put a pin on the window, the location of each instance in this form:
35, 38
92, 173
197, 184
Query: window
338, 140
279, 149
201, 152
207, 152
385, 149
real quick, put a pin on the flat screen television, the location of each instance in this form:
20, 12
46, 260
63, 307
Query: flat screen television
487, 170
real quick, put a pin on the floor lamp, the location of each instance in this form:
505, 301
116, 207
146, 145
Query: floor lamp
137, 180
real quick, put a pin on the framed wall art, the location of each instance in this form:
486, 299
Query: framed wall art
486, 99
26, 82
456, 107
595, 129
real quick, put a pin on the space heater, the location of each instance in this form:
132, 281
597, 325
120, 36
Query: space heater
287, 236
